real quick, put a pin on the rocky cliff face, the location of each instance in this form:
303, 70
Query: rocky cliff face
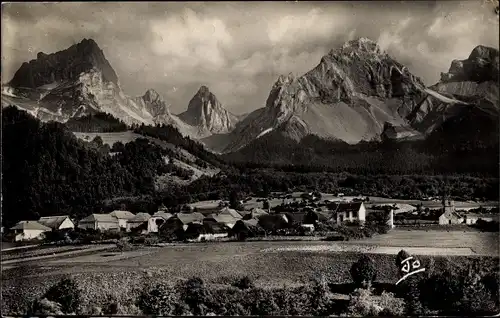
207, 114
78, 81
471, 85
482, 65
64, 66
349, 96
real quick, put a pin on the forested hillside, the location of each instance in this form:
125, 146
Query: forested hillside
99, 122
434, 156
48, 171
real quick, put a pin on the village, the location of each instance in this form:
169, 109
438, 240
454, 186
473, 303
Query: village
303, 215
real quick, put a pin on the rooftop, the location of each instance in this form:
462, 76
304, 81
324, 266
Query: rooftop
30, 225
53, 221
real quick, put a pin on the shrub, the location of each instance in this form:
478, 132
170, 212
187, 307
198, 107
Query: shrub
244, 283
161, 300
363, 303
46, 307
195, 294
123, 245
363, 272
67, 294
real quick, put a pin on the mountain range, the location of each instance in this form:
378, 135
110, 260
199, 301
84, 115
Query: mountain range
356, 93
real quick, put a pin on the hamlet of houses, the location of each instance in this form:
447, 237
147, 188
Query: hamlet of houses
218, 222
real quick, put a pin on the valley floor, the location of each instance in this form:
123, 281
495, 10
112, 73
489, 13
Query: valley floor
268, 263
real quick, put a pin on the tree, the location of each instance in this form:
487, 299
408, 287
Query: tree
363, 272
118, 147
265, 205
234, 201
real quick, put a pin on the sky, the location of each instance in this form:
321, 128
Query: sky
239, 49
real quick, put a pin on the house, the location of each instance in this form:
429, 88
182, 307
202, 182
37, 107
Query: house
231, 212
449, 215
273, 222
314, 217
252, 214
209, 230
165, 215
29, 230
137, 220
155, 222
226, 219
180, 221
348, 211
103, 222
123, 217
57, 222
246, 228
472, 218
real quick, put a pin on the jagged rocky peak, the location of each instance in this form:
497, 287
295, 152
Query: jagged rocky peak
154, 103
357, 67
152, 96
64, 65
482, 65
361, 45
207, 113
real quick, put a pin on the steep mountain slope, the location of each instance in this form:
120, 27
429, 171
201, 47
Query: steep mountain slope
80, 81
349, 96
206, 113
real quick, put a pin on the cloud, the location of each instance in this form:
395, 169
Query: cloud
191, 38
239, 49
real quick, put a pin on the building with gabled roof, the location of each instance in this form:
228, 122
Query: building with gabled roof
57, 222
29, 230
348, 211
103, 222
180, 221
165, 215
449, 215
139, 219
123, 217
231, 212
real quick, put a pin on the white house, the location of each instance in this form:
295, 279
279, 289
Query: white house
123, 217
449, 215
101, 222
57, 222
348, 211
29, 230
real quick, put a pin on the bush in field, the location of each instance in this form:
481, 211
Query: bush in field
364, 271
46, 307
123, 245
243, 283
67, 294
262, 303
476, 299
160, 300
363, 303
195, 295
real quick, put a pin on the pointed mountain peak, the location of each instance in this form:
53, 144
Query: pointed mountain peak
152, 96
65, 65
204, 91
207, 113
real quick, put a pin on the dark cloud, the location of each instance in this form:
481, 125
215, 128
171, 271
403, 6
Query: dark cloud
238, 49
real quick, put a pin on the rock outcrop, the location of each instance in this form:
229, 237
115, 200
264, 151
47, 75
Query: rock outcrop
481, 66
66, 65
349, 96
207, 114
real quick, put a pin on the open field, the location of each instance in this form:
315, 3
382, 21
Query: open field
268, 264
109, 138
253, 203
